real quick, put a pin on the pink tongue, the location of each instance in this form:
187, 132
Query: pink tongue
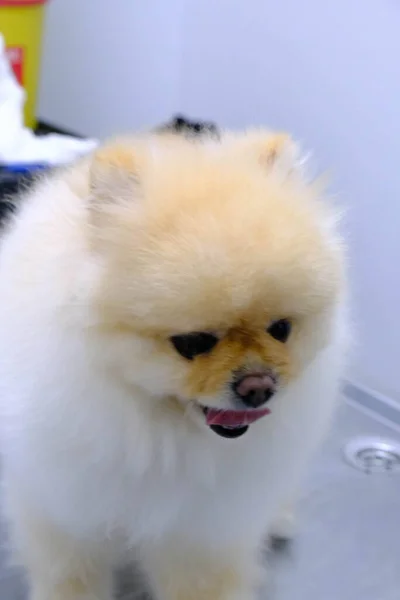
234, 418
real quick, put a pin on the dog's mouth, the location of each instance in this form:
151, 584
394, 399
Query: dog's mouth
232, 423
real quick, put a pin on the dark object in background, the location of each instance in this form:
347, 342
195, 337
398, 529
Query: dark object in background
13, 180
11, 183
44, 127
184, 126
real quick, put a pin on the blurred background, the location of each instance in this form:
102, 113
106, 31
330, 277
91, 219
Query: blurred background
328, 72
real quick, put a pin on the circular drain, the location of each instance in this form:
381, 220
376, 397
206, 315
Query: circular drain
373, 455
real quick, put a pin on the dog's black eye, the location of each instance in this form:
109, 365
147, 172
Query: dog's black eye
280, 330
193, 344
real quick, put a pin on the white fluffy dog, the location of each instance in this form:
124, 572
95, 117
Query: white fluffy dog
171, 339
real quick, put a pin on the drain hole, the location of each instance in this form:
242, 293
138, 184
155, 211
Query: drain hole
373, 455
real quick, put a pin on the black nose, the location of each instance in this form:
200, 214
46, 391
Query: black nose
255, 390
255, 399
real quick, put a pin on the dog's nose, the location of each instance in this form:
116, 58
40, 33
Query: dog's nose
255, 390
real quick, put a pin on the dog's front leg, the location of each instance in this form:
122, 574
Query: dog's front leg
58, 566
182, 571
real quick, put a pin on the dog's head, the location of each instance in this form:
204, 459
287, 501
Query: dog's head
218, 271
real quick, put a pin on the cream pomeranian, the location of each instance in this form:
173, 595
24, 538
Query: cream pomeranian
171, 339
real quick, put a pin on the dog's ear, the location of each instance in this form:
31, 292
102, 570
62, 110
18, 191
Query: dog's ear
114, 174
114, 189
275, 152
274, 149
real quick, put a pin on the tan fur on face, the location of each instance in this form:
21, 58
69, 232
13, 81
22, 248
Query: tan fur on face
240, 349
213, 236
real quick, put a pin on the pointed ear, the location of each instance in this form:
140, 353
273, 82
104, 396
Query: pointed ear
273, 148
114, 175
276, 152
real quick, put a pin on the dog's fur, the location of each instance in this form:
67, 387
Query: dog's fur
104, 446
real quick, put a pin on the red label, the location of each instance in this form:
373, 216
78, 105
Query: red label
15, 55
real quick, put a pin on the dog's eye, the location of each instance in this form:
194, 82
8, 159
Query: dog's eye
193, 344
280, 330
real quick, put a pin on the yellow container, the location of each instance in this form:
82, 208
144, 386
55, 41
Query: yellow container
21, 24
